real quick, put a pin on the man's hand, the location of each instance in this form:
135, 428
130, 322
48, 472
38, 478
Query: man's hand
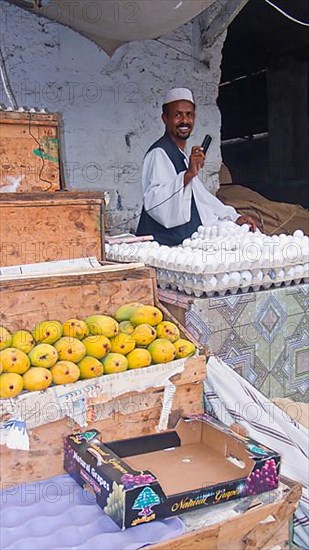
248, 220
196, 162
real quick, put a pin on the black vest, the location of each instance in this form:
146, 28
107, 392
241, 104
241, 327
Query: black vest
147, 225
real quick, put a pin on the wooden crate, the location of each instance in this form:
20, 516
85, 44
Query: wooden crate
248, 531
38, 227
28, 301
29, 152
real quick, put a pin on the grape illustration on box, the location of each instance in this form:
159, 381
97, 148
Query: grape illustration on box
263, 479
129, 480
145, 500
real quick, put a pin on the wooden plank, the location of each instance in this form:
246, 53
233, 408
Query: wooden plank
81, 267
117, 273
15, 117
262, 536
29, 152
267, 535
195, 371
131, 402
23, 305
188, 399
233, 529
62, 198
35, 230
19, 128
281, 537
233, 533
205, 539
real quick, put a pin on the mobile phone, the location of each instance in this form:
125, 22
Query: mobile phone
206, 142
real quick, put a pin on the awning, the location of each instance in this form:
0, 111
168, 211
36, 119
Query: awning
111, 23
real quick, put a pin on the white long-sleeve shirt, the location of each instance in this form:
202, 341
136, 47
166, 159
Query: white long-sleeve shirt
167, 200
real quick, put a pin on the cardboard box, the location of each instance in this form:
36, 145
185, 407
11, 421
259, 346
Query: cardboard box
200, 463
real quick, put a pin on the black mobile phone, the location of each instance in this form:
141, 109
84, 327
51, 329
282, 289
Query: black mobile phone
206, 142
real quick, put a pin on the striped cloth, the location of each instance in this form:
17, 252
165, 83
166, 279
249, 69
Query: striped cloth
232, 399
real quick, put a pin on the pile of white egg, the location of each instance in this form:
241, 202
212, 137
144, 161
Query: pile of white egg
221, 258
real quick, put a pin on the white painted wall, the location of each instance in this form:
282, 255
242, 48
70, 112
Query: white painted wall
111, 107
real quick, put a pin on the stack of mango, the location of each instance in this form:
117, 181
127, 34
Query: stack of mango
62, 353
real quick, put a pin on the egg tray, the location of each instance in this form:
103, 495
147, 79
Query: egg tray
243, 265
201, 279
198, 284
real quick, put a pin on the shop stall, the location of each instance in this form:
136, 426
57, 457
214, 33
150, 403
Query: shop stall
66, 277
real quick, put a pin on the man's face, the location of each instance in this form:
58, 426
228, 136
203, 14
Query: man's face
179, 119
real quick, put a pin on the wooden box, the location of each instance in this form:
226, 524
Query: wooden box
27, 301
29, 152
41, 227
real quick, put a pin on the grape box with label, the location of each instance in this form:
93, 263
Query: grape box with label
200, 463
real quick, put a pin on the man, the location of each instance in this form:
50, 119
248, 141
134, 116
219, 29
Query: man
175, 200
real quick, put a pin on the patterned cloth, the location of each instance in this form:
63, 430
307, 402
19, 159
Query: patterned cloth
262, 335
232, 399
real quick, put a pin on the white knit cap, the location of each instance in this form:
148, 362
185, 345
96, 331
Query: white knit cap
178, 94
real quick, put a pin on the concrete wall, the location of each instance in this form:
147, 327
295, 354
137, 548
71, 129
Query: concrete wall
111, 106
